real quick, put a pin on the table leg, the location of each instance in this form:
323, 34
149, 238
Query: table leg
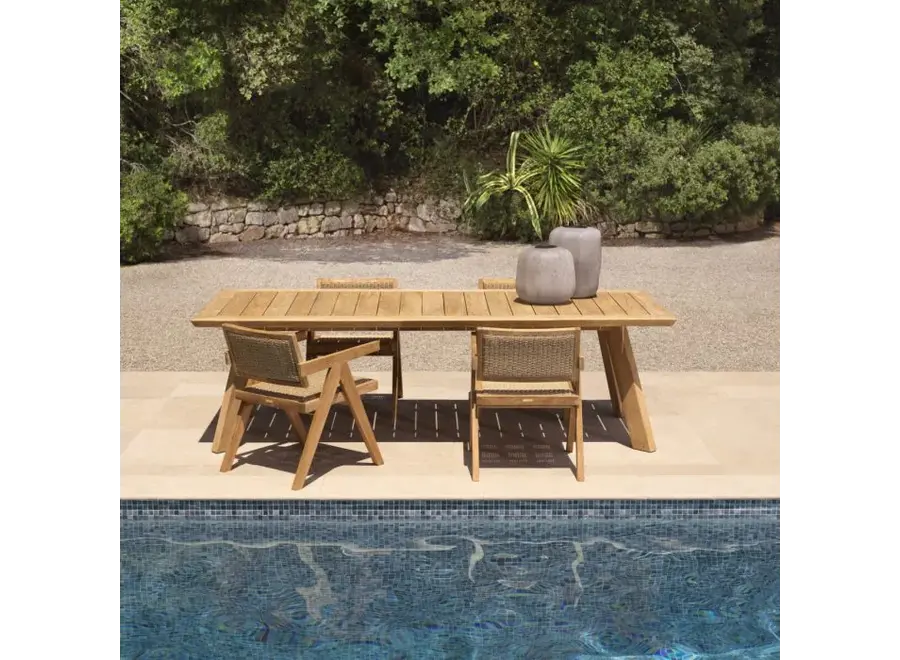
628, 383
615, 397
226, 409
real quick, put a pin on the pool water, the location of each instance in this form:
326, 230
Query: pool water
453, 589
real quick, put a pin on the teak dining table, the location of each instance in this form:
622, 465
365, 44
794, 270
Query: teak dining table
609, 313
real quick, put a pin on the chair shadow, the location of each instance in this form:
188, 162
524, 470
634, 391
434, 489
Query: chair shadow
285, 456
507, 438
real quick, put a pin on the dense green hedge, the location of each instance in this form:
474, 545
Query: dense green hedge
674, 101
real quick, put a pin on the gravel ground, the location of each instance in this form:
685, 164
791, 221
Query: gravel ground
724, 294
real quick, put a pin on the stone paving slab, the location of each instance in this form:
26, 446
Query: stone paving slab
717, 436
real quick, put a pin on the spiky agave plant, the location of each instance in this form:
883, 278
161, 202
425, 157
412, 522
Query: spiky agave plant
553, 167
505, 184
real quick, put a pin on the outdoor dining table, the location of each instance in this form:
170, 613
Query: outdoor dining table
609, 313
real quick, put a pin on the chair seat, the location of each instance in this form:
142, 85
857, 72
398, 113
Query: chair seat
304, 397
548, 388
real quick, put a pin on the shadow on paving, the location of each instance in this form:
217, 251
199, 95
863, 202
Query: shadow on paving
508, 438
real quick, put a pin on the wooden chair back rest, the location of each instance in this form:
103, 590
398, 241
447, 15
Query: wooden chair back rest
528, 355
504, 283
356, 283
264, 355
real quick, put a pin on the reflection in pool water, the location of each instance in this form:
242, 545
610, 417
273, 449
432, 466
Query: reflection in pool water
598, 589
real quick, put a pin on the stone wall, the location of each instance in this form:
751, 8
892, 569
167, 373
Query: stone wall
232, 220
681, 230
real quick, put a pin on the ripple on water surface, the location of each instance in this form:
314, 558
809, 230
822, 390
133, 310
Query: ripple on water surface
599, 589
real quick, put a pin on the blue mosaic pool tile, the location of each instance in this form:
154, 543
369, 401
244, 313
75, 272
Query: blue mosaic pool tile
400, 510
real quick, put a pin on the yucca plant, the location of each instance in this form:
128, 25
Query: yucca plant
553, 169
505, 185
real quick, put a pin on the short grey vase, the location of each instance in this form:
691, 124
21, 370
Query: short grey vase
545, 275
585, 244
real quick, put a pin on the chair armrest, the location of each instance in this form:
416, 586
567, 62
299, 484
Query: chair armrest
332, 359
474, 353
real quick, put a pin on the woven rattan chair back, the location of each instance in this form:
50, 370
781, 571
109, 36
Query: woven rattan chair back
262, 355
504, 283
356, 283
528, 355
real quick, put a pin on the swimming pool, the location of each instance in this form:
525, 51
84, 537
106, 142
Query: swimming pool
608, 582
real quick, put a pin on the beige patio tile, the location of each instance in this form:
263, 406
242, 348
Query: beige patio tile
137, 414
155, 384
717, 435
187, 412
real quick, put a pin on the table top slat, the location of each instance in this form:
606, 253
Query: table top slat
545, 310
237, 304
324, 303
216, 305
518, 307
454, 303
303, 301
567, 309
432, 303
398, 309
411, 303
259, 304
648, 303
389, 304
476, 304
608, 305
497, 303
587, 307
368, 303
631, 306
281, 304
346, 303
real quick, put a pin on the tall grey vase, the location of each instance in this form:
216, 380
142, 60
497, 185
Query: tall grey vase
584, 243
545, 275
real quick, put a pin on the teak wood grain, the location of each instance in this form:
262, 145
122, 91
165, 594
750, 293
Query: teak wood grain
331, 309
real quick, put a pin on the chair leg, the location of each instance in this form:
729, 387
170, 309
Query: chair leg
297, 425
395, 398
579, 442
398, 365
220, 439
329, 388
571, 430
351, 395
473, 439
240, 412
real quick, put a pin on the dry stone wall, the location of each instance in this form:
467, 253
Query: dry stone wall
232, 220
681, 230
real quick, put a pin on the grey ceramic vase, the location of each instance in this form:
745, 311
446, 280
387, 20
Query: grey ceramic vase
584, 244
545, 275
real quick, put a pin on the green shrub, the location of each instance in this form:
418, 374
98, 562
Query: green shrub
204, 154
674, 170
317, 174
148, 207
503, 217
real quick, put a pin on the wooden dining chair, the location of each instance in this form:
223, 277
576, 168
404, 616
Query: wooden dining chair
318, 344
268, 370
528, 369
497, 283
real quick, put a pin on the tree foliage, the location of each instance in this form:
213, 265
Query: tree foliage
674, 101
